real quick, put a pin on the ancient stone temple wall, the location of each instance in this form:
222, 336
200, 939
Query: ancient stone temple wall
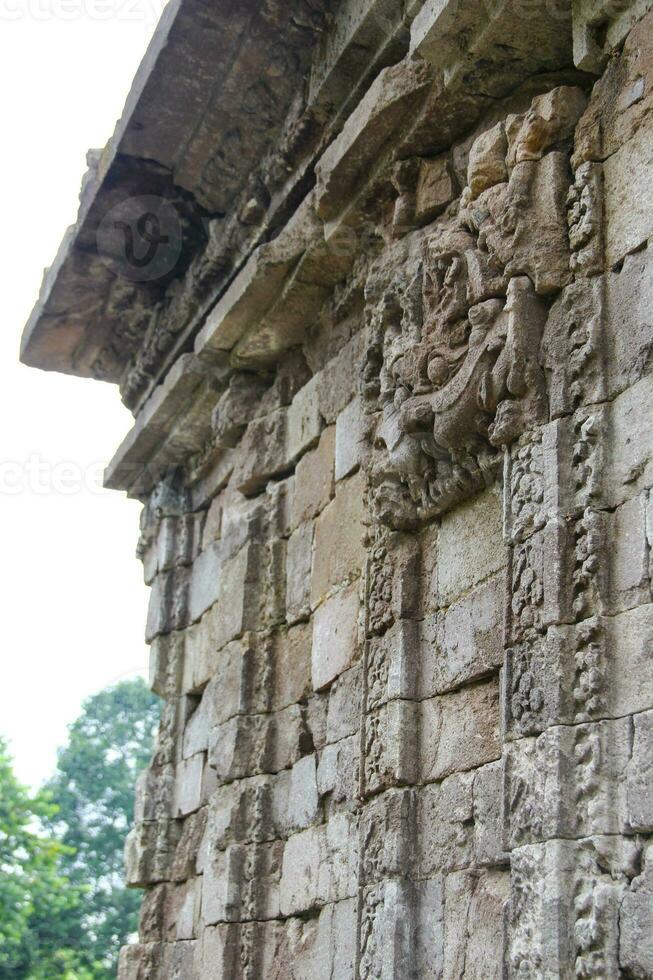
395, 449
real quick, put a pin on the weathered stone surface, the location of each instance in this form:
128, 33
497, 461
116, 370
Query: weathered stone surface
445, 825
338, 545
436, 189
351, 430
304, 421
463, 642
313, 487
474, 908
469, 546
338, 773
459, 731
636, 923
487, 160
299, 563
335, 636
639, 775
383, 108
392, 439
628, 201
631, 469
320, 866
345, 695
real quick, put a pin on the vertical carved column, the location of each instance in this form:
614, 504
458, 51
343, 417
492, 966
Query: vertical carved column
564, 753
387, 901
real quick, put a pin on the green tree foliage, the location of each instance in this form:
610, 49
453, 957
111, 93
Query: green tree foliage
93, 791
34, 895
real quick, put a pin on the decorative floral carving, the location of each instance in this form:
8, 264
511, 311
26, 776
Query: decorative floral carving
585, 219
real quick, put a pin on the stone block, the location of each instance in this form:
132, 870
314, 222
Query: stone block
238, 747
241, 594
351, 436
186, 905
154, 921
393, 664
380, 111
327, 948
628, 552
338, 553
140, 961
470, 546
314, 485
487, 160
304, 421
628, 196
299, 561
218, 954
263, 452
337, 382
179, 540
568, 782
196, 730
390, 738
550, 122
149, 847
622, 97
388, 825
628, 321
242, 812
394, 576
445, 825
335, 636
316, 718
242, 519
229, 691
473, 926
303, 804
636, 923
459, 731
213, 524
320, 866
639, 776
242, 883
168, 605
436, 187
184, 863
558, 926
188, 785
252, 744
429, 945
166, 664
600, 27
387, 933
629, 643
205, 581
343, 716
292, 665
630, 470
338, 771
464, 642
488, 829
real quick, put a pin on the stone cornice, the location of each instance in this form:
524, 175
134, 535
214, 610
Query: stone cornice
207, 102
427, 75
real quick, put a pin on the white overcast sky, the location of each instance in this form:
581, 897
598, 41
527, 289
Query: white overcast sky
73, 600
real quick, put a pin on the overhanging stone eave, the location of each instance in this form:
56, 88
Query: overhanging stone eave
64, 331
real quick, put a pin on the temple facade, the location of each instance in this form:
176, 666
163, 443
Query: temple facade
374, 277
